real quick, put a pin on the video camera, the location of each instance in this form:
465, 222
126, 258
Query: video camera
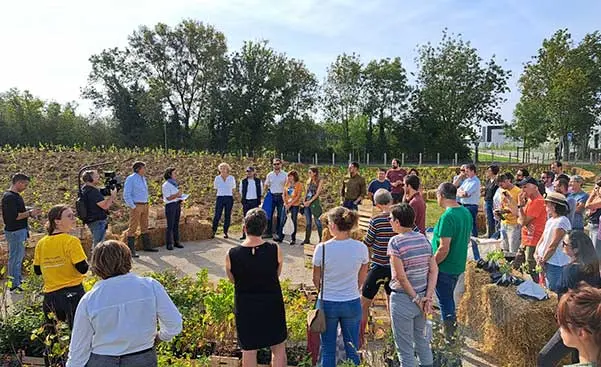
111, 182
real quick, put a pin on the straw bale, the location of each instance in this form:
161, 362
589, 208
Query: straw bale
469, 312
515, 329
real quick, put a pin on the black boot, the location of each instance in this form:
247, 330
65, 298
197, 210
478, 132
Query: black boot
146, 243
307, 237
169, 246
131, 243
178, 245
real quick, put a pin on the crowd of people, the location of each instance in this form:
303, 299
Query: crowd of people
540, 222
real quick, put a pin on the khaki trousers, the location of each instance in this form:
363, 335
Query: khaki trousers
138, 217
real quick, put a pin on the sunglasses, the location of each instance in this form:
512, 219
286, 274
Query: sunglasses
565, 244
391, 219
461, 170
277, 164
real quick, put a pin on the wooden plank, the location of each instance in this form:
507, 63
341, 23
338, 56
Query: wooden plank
219, 361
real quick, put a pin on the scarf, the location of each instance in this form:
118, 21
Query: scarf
173, 182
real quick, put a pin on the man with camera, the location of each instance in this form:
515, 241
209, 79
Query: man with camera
135, 195
15, 215
97, 206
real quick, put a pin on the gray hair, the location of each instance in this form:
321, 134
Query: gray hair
447, 190
577, 178
382, 197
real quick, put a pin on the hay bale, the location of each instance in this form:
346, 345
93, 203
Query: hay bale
469, 312
196, 231
515, 329
481, 222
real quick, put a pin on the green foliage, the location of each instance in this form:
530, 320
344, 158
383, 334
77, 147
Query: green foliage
561, 91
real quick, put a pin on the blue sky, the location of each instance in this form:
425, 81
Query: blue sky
46, 44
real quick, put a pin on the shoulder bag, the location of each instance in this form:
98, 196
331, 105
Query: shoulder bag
316, 319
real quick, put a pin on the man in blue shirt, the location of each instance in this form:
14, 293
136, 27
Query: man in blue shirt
469, 196
135, 195
579, 197
379, 183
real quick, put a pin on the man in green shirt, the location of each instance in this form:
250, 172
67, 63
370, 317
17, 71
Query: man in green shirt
353, 188
449, 244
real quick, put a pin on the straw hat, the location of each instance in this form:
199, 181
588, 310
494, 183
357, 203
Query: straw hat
557, 198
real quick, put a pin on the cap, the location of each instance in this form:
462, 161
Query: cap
557, 198
250, 169
527, 180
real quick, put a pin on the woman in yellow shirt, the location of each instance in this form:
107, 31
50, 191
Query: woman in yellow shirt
292, 198
61, 261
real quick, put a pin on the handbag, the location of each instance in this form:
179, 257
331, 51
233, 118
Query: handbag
316, 319
288, 229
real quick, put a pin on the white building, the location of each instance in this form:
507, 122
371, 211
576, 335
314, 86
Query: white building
493, 136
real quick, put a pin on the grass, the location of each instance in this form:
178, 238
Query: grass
487, 157
433, 212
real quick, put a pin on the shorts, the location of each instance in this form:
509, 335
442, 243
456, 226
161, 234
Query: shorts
376, 276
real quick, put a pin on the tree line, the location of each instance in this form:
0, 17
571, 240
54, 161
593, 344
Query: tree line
181, 87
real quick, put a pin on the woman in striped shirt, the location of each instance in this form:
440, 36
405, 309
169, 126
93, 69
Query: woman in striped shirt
414, 273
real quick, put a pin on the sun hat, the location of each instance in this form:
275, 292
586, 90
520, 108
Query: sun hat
557, 198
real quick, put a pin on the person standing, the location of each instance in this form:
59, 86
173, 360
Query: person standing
395, 175
16, 230
135, 196
275, 182
459, 175
250, 192
62, 263
532, 216
579, 197
593, 205
490, 190
416, 201
353, 188
254, 267
172, 197
379, 232
547, 179
469, 196
562, 186
116, 321
449, 245
344, 263
381, 182
414, 274
510, 228
292, 197
225, 184
96, 206
312, 204
557, 168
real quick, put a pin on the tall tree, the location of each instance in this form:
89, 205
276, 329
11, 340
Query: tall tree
342, 93
455, 92
561, 91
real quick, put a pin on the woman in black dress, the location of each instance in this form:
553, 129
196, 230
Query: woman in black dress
254, 267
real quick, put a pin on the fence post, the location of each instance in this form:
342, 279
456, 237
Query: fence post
402, 159
298, 157
385, 159
438, 159
492, 156
510, 157
591, 159
333, 159
316, 162
420, 159
456, 159
350, 158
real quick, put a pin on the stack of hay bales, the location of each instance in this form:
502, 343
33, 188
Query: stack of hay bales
511, 328
366, 211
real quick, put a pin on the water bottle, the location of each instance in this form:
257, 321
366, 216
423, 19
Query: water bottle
428, 329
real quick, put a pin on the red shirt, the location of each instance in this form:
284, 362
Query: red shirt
532, 232
394, 176
419, 207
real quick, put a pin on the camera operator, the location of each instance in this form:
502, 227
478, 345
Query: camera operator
96, 206
135, 195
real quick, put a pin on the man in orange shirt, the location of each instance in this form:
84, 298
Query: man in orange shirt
532, 216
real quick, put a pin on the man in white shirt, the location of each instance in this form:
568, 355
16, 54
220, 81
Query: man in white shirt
250, 192
275, 182
225, 184
469, 196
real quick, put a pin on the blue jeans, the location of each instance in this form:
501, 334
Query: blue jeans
277, 204
350, 204
474, 212
172, 213
491, 223
223, 203
98, 229
294, 216
408, 325
348, 314
308, 217
553, 275
445, 289
16, 252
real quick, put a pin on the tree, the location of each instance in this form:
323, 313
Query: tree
385, 93
341, 97
561, 92
456, 91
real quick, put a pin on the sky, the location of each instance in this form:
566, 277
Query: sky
45, 45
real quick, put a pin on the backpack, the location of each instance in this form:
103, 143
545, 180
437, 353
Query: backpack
80, 206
